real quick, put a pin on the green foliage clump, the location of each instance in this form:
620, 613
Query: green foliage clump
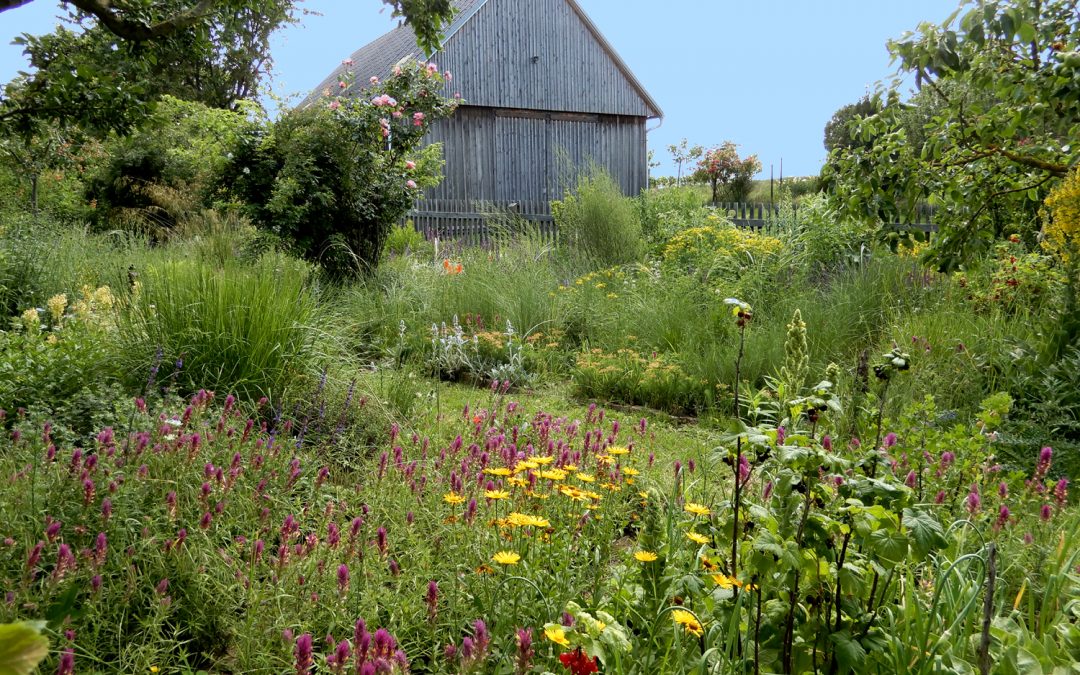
163, 171
1013, 281
658, 381
55, 363
597, 222
404, 239
334, 176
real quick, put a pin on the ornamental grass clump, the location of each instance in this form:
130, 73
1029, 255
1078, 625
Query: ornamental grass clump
251, 330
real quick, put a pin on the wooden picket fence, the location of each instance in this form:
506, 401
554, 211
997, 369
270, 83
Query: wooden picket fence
466, 223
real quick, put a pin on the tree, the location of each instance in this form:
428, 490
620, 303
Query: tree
139, 23
724, 169
838, 129
126, 54
684, 153
999, 102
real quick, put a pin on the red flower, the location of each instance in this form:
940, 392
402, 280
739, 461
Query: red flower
578, 663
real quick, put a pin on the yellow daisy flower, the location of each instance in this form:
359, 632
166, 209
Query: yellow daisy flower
696, 509
506, 558
585, 478
618, 450
688, 621
697, 538
496, 494
645, 556
499, 471
556, 635
453, 498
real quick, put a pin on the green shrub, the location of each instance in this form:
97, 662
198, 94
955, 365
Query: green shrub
663, 213
249, 330
162, 173
717, 250
597, 222
822, 240
631, 378
333, 177
56, 364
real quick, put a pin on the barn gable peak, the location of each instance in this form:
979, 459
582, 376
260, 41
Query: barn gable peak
518, 54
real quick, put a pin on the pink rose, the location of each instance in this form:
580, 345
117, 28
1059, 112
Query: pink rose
410, 165
411, 184
334, 105
347, 62
342, 85
447, 76
374, 80
418, 119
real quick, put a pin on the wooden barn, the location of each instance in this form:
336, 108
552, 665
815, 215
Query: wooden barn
544, 95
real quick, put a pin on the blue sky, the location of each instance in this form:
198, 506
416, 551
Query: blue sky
766, 74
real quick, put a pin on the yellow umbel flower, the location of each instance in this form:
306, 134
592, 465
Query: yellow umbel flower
1061, 220
506, 558
57, 304
31, 320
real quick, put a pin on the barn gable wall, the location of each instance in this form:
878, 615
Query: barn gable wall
540, 55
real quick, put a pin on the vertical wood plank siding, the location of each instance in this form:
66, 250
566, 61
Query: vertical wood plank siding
498, 155
536, 54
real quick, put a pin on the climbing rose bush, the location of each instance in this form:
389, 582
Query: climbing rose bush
334, 175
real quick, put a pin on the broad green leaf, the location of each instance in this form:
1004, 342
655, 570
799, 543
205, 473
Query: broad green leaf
926, 532
850, 655
22, 647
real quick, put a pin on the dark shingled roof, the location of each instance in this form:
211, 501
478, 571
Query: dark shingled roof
378, 57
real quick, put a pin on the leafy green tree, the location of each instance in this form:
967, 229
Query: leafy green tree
992, 130
837, 129
725, 170
120, 55
333, 177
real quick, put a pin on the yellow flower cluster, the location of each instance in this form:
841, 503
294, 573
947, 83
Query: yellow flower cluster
1061, 218
57, 304
696, 247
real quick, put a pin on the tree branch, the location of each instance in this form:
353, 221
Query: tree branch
129, 29
1036, 163
136, 31
12, 4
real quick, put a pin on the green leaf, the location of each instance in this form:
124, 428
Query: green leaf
22, 647
850, 655
926, 532
891, 547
